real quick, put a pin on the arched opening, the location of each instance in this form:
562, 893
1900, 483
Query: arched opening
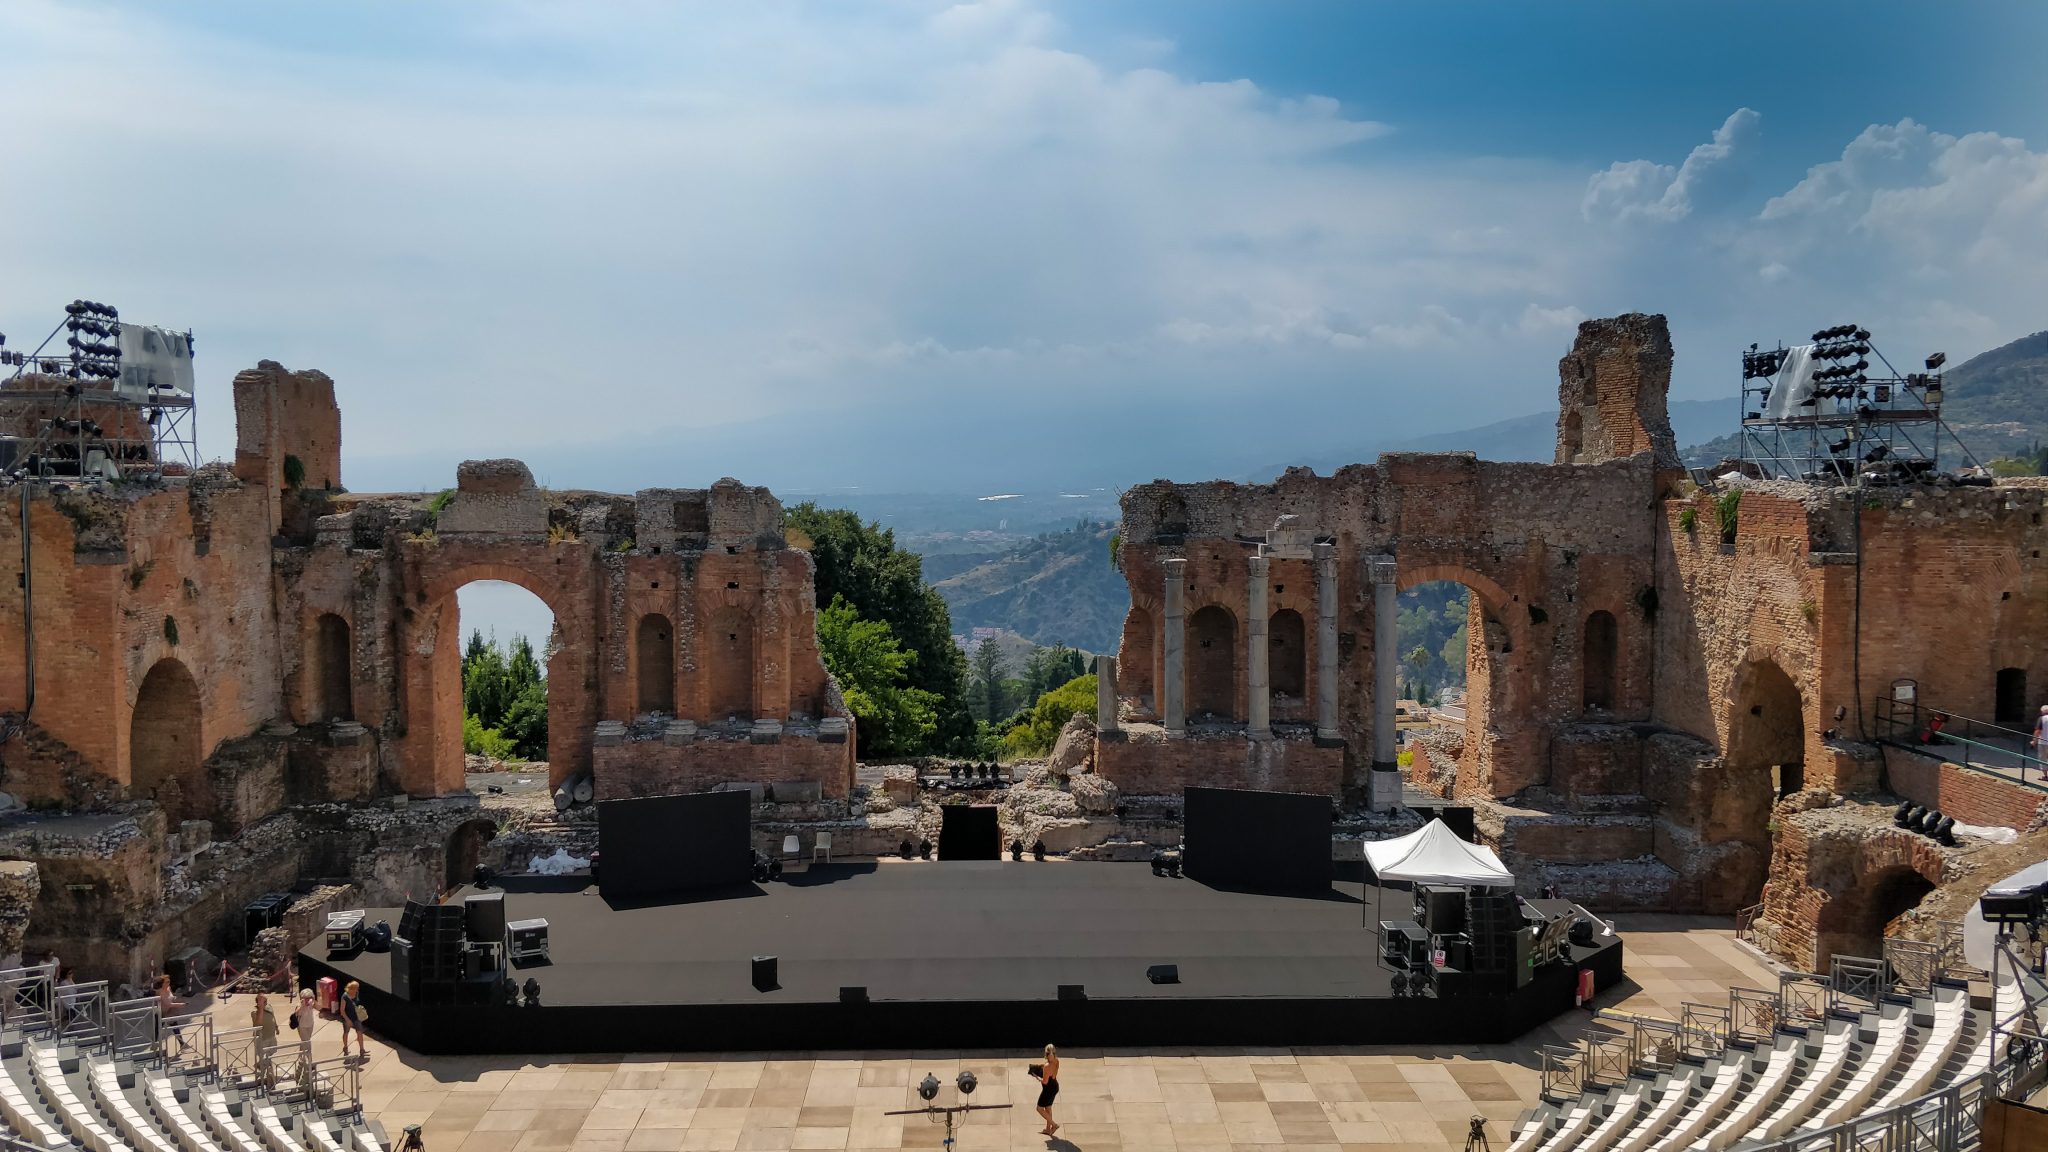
466, 850
1601, 645
729, 664
1432, 638
1287, 653
1173, 520
1856, 922
1212, 664
1765, 760
164, 753
333, 666
2010, 705
1136, 655
499, 668
654, 651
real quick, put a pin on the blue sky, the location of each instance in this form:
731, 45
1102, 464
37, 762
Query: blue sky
1007, 244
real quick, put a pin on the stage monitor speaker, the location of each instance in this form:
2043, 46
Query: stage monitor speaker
484, 917
1163, 973
853, 994
1440, 908
764, 974
405, 969
1073, 992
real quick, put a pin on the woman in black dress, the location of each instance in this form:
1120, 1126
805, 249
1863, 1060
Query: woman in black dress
1049, 1076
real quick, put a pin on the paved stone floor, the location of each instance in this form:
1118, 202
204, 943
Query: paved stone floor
1122, 1099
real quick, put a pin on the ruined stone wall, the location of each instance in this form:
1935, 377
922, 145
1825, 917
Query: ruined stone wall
654, 767
1148, 764
1972, 797
1611, 392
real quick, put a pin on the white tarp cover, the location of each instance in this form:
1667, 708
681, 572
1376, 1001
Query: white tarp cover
1795, 384
1435, 855
154, 357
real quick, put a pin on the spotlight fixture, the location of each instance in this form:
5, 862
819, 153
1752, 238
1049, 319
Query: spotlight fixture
482, 876
907, 850
532, 993
966, 1082
1038, 850
924, 849
1016, 849
928, 1088
1936, 361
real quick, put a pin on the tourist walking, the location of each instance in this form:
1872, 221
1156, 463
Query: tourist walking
2041, 735
352, 1017
1048, 1077
265, 1022
167, 1009
304, 1018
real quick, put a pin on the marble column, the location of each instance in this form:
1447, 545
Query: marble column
1326, 642
1105, 695
1259, 708
1384, 786
1173, 638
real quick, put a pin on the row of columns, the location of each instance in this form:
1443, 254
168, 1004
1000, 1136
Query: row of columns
1385, 783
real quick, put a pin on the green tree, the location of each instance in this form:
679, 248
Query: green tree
1038, 729
861, 562
1048, 668
506, 695
986, 682
894, 719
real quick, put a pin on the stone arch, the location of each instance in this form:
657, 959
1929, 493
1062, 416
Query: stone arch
165, 752
1602, 647
1503, 683
1171, 526
1764, 759
431, 651
1287, 653
1856, 921
728, 641
333, 669
465, 850
654, 654
1212, 663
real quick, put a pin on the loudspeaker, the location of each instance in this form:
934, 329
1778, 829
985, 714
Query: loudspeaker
484, 917
764, 974
1582, 932
1440, 908
405, 969
1163, 973
1492, 919
1073, 992
853, 994
1525, 956
409, 920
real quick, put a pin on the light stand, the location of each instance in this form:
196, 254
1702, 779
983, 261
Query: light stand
928, 1090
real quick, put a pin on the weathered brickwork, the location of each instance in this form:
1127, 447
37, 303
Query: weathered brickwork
1972, 797
1148, 764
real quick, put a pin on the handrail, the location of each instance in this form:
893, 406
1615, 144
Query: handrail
1909, 725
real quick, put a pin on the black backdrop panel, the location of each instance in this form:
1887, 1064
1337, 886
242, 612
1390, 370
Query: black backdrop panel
661, 844
1263, 841
969, 832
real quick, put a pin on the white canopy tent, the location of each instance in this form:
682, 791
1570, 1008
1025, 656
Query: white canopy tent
1435, 855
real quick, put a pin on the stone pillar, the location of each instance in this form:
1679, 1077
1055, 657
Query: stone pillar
1173, 637
1105, 696
1326, 643
1383, 791
1259, 712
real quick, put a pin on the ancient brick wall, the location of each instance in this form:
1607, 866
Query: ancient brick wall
1611, 392
1972, 797
1146, 763
650, 767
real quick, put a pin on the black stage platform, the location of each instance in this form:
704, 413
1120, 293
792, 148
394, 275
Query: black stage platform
954, 954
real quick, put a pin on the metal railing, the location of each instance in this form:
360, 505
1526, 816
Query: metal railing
2006, 753
1945, 1120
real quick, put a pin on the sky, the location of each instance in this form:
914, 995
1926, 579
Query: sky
1007, 245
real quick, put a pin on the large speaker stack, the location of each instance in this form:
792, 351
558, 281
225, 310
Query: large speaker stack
1492, 919
427, 953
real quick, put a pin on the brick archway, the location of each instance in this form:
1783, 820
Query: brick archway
165, 758
1887, 876
1502, 680
430, 653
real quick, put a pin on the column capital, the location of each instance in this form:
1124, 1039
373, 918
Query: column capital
1323, 552
1381, 569
1258, 565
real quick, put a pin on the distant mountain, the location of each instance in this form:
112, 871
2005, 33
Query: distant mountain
1056, 589
1532, 437
1996, 404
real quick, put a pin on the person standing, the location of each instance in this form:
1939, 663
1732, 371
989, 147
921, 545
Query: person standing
2041, 735
352, 1015
1048, 1077
304, 1019
265, 1023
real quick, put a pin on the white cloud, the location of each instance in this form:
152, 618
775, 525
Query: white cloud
1537, 320
1652, 191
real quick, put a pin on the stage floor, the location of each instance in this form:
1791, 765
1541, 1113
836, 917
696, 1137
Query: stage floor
966, 941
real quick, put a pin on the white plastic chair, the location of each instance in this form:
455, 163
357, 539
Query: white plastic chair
792, 851
822, 844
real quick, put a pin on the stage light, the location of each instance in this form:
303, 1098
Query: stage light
907, 850
1936, 360
965, 1082
532, 993
775, 868
1876, 454
1016, 849
1905, 816
1038, 850
1839, 446
482, 876
924, 849
928, 1088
